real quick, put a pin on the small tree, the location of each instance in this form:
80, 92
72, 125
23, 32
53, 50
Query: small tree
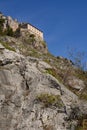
78, 58
9, 31
17, 32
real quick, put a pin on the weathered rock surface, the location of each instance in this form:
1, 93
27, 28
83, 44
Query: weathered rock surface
28, 95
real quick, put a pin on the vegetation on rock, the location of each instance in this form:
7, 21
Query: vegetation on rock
49, 100
8, 46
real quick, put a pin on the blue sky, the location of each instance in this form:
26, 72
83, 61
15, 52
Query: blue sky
64, 22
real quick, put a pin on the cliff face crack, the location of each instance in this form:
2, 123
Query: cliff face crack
5, 62
25, 83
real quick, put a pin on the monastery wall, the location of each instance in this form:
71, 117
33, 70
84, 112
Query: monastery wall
33, 30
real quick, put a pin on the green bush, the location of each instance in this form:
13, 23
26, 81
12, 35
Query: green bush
7, 46
50, 100
54, 73
9, 31
17, 33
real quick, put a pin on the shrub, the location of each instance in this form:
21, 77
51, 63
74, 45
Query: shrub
54, 73
7, 46
17, 33
49, 100
9, 31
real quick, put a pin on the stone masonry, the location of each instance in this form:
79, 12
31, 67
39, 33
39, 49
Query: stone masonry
32, 29
14, 24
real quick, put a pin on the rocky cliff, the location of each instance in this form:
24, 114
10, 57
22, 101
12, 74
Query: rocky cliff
37, 90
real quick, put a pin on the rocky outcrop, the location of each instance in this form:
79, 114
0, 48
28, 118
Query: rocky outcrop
31, 98
21, 82
9, 21
25, 44
29, 36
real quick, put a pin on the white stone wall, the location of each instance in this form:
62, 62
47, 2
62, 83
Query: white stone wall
35, 31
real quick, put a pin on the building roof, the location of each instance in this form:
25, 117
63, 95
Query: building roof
32, 26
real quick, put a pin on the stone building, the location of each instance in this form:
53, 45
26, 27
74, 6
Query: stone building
14, 24
32, 29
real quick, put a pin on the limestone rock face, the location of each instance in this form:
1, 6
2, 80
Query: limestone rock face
21, 83
30, 98
76, 83
37, 90
12, 23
